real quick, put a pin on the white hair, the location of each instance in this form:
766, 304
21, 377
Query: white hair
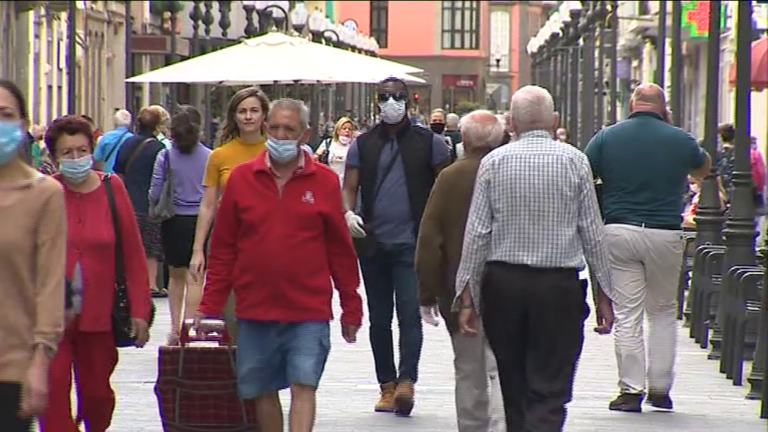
532, 108
123, 118
294, 105
452, 120
481, 128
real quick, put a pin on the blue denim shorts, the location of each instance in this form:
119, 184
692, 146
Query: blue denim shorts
272, 356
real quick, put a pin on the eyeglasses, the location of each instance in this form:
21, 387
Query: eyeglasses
399, 97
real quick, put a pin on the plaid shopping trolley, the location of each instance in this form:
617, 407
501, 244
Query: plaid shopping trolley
196, 384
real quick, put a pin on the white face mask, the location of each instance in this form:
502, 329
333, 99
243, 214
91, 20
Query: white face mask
344, 140
392, 111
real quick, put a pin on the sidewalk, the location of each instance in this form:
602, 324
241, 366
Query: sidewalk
704, 399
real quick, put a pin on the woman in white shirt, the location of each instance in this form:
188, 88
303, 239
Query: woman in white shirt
333, 151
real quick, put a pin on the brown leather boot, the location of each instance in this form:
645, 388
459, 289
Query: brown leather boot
404, 398
386, 401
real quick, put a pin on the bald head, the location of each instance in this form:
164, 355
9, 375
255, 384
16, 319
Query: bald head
481, 129
532, 109
648, 97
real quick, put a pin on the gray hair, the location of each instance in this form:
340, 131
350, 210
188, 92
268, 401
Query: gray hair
452, 120
481, 128
294, 105
123, 118
532, 108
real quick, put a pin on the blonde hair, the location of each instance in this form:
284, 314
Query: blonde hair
164, 127
339, 124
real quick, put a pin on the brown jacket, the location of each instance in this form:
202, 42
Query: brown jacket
438, 250
33, 240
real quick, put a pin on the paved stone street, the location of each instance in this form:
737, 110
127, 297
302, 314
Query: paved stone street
705, 400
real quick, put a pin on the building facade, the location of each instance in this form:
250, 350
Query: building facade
512, 25
637, 51
35, 42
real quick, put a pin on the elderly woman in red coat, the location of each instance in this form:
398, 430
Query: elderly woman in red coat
88, 346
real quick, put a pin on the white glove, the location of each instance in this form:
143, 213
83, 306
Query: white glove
355, 224
430, 315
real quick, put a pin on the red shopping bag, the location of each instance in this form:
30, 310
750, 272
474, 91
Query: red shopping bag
196, 386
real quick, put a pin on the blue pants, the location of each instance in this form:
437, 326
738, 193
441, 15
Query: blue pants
271, 356
390, 283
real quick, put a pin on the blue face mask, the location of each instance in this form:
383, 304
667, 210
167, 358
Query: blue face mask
76, 170
11, 137
282, 150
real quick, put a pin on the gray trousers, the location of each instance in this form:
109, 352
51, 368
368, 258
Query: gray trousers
479, 406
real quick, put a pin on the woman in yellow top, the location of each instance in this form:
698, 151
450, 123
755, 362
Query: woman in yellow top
240, 139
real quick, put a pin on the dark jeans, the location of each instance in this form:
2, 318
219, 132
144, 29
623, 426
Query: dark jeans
390, 283
534, 322
10, 394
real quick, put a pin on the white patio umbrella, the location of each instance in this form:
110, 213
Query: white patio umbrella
278, 58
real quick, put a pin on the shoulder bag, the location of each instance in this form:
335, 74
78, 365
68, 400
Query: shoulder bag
121, 308
366, 246
136, 153
164, 207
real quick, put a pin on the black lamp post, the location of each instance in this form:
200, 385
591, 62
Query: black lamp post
661, 46
299, 18
740, 226
613, 54
574, 74
600, 15
709, 218
676, 89
586, 29
129, 87
72, 57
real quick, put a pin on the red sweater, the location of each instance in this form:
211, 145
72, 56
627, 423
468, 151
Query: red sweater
91, 242
280, 252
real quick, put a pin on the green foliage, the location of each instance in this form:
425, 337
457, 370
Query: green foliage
466, 107
158, 8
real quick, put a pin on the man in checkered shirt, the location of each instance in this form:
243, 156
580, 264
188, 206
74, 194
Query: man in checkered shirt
533, 219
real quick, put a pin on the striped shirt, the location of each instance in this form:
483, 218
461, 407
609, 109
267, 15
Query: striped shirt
534, 204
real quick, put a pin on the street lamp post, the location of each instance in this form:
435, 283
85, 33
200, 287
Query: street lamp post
613, 85
740, 226
72, 57
575, 53
588, 76
600, 15
129, 87
709, 217
676, 89
196, 15
316, 25
299, 18
661, 47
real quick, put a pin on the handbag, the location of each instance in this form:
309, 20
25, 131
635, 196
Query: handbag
366, 246
121, 308
164, 209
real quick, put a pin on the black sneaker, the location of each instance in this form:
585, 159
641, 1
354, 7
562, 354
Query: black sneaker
660, 401
627, 402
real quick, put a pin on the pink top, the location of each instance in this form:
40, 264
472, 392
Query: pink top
758, 169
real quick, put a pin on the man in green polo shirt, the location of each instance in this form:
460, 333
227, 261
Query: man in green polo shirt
644, 163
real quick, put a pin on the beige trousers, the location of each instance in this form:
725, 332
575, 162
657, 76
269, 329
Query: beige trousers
645, 266
479, 406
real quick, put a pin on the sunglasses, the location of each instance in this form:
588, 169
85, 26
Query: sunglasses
398, 97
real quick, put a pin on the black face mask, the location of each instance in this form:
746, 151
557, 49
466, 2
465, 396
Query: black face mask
437, 128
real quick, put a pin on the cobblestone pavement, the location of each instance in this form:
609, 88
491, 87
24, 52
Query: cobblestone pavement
704, 399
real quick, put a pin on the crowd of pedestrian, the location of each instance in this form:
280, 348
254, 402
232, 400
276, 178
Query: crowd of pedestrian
484, 222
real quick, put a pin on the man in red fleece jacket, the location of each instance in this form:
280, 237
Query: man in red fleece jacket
279, 241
